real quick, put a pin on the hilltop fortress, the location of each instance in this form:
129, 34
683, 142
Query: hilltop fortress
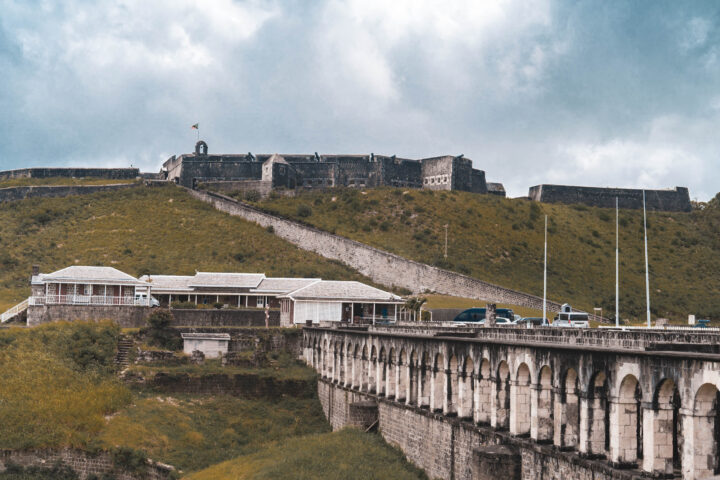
265, 172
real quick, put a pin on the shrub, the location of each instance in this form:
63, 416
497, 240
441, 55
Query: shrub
252, 196
270, 229
129, 459
183, 305
160, 333
304, 211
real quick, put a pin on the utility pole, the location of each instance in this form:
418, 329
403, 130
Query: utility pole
545, 274
647, 273
446, 236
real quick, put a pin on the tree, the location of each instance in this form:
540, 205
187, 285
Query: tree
414, 304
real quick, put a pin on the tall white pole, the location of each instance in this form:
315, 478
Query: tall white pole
545, 274
647, 274
617, 263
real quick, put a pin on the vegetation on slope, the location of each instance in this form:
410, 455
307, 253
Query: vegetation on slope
348, 455
501, 241
193, 432
54, 181
57, 384
159, 230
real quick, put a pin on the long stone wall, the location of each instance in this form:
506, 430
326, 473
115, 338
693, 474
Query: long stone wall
116, 173
85, 464
54, 191
671, 200
381, 266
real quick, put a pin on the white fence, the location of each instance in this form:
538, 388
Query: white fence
19, 308
662, 328
87, 300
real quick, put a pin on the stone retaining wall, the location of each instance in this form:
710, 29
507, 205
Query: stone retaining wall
444, 446
114, 173
382, 267
83, 463
203, 317
54, 191
243, 339
246, 385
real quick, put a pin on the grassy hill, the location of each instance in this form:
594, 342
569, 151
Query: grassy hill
501, 241
141, 230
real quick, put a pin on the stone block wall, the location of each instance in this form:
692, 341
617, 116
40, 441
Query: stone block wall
382, 267
671, 200
124, 315
206, 317
114, 173
83, 463
263, 187
54, 191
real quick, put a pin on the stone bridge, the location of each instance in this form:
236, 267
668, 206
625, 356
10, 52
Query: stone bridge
586, 404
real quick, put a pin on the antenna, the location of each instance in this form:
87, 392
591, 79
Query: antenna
617, 263
545, 274
647, 274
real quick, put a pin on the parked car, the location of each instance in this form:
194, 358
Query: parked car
142, 300
533, 321
498, 321
477, 315
702, 323
572, 319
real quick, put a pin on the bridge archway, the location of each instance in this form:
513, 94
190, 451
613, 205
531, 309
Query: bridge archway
380, 373
413, 379
520, 401
626, 423
662, 437
438, 384
598, 415
567, 412
467, 387
425, 381
541, 421
483, 403
390, 375
372, 370
452, 398
402, 377
701, 449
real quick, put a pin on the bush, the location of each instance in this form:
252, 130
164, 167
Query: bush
304, 211
181, 305
160, 333
129, 459
252, 196
270, 229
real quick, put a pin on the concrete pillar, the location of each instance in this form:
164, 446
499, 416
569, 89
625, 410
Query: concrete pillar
583, 440
372, 371
658, 439
477, 408
699, 452
623, 431
448, 406
534, 420
353, 372
379, 380
461, 394
347, 381
433, 393
493, 403
519, 408
484, 404
559, 419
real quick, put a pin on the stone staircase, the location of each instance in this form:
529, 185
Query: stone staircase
122, 360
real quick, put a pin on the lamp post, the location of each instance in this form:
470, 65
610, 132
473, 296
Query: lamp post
446, 240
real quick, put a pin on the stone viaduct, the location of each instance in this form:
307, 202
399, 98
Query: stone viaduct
571, 404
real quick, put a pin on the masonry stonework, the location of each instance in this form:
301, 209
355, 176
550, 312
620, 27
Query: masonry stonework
114, 173
52, 191
382, 267
671, 200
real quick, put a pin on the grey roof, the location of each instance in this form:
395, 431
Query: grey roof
227, 280
205, 336
169, 282
345, 291
86, 274
284, 285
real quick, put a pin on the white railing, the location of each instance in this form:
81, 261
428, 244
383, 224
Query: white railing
86, 300
19, 308
663, 328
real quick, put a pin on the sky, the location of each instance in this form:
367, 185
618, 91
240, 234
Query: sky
599, 93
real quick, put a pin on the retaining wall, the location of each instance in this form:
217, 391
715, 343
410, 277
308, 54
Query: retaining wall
224, 318
245, 385
115, 173
382, 267
443, 446
54, 191
83, 463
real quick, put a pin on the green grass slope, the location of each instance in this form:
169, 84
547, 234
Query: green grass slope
141, 230
345, 455
501, 241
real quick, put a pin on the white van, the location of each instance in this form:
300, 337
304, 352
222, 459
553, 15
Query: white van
568, 318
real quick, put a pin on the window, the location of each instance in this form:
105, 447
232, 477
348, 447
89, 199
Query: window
260, 302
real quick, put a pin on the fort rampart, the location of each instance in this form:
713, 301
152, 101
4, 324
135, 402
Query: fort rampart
671, 200
382, 267
114, 173
55, 191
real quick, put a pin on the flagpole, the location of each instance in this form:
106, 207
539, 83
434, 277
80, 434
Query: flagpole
617, 263
545, 275
647, 274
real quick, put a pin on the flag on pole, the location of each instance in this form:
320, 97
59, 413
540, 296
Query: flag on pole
196, 126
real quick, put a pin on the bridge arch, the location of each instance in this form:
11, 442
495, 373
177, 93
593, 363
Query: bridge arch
466, 388
626, 422
424, 384
438, 383
483, 393
598, 434
402, 376
567, 411
390, 377
541, 424
501, 416
700, 450
520, 401
413, 379
662, 430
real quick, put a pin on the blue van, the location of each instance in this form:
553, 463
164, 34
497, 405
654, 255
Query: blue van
477, 315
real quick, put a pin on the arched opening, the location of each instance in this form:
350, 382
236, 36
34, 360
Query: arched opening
542, 428
567, 412
381, 372
324, 357
348, 365
402, 373
520, 402
364, 360
425, 381
413, 379
626, 439
452, 387
356, 367
701, 450
467, 390
438, 383
662, 431
341, 365
483, 394
335, 359
598, 416
372, 370
502, 397
390, 375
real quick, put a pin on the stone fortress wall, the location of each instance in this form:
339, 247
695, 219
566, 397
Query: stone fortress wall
313, 171
55, 191
382, 267
669, 200
113, 173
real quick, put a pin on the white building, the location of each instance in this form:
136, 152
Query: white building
213, 345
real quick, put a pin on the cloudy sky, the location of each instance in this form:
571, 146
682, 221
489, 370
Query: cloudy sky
534, 91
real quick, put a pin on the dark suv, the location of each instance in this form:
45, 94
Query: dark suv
477, 315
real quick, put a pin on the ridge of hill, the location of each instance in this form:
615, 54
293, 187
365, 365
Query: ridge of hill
160, 230
501, 241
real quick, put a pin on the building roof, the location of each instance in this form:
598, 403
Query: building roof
86, 274
283, 285
169, 282
343, 291
227, 280
205, 336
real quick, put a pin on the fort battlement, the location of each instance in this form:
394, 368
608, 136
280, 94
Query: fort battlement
113, 173
669, 200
